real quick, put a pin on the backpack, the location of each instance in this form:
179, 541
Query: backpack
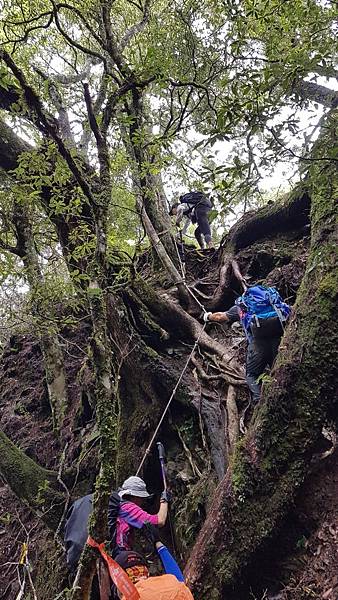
262, 312
76, 526
76, 529
194, 199
113, 512
162, 587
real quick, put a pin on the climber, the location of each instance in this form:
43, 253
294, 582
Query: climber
262, 314
125, 513
194, 206
170, 586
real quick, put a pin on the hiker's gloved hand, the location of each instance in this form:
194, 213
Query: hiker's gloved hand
151, 533
165, 496
206, 316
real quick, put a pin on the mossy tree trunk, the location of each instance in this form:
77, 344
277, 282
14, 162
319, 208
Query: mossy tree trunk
31, 483
272, 460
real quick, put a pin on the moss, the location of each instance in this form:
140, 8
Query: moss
30, 482
191, 512
50, 570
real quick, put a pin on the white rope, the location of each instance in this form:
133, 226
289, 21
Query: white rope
185, 366
170, 400
182, 267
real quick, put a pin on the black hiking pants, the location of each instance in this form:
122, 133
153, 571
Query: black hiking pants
260, 354
203, 227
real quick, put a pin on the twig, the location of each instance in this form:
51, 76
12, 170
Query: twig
60, 480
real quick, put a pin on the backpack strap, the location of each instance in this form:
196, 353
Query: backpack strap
117, 574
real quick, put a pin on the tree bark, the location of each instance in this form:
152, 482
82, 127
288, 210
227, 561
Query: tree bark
272, 460
31, 483
48, 335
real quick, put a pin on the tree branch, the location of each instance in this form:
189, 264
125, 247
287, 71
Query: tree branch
72, 42
137, 28
308, 90
31, 482
56, 98
48, 125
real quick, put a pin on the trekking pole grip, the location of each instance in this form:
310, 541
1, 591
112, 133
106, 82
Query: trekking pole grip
161, 451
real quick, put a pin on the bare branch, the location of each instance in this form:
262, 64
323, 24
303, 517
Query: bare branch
56, 98
91, 116
81, 17
101, 96
101, 143
70, 79
30, 29
137, 28
72, 42
12, 249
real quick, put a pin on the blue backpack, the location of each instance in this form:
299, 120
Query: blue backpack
262, 312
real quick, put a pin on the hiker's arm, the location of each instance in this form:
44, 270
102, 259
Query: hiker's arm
218, 317
230, 316
135, 516
169, 563
179, 213
162, 514
186, 225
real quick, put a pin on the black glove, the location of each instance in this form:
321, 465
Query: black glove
151, 532
165, 496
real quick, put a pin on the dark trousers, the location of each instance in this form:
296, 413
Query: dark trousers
203, 227
260, 354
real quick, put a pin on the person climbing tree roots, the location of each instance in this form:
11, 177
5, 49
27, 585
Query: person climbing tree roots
194, 206
262, 314
125, 512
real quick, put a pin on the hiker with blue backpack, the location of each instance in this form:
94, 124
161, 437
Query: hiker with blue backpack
262, 314
194, 207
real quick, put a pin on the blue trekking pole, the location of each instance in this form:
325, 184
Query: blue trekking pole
161, 455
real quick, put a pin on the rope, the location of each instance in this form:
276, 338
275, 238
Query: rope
185, 366
170, 400
182, 267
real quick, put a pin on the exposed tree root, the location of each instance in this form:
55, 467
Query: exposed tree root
172, 316
232, 431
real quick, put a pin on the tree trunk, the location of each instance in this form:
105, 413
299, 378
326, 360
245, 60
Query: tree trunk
49, 341
272, 460
31, 483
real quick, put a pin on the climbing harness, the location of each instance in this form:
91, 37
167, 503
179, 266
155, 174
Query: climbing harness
170, 399
118, 576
